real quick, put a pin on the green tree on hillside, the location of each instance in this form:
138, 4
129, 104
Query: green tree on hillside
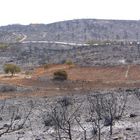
11, 68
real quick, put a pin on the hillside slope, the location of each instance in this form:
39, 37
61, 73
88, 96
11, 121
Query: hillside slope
29, 45
81, 30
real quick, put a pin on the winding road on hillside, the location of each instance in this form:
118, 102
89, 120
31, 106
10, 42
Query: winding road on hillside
51, 42
56, 42
24, 37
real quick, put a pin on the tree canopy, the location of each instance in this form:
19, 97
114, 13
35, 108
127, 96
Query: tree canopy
11, 68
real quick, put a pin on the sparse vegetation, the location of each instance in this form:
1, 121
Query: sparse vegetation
3, 45
18, 38
28, 73
104, 42
11, 68
45, 66
69, 62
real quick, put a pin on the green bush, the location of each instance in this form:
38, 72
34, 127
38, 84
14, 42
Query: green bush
3, 45
60, 75
69, 62
11, 68
28, 72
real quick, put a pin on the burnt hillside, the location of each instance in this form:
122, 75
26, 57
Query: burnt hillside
81, 30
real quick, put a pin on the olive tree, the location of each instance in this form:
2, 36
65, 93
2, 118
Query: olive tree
11, 68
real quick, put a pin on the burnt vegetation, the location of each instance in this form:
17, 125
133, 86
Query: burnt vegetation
66, 116
80, 111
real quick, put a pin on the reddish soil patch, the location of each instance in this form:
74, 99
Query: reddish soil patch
80, 78
97, 73
90, 77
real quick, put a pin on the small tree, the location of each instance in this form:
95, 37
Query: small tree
62, 118
11, 68
113, 108
96, 114
106, 109
60, 75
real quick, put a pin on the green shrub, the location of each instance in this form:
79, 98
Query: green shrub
28, 72
3, 45
69, 62
60, 75
11, 68
18, 39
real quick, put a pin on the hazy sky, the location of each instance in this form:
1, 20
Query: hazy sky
47, 11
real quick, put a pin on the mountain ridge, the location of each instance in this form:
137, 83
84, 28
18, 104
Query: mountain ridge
78, 31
